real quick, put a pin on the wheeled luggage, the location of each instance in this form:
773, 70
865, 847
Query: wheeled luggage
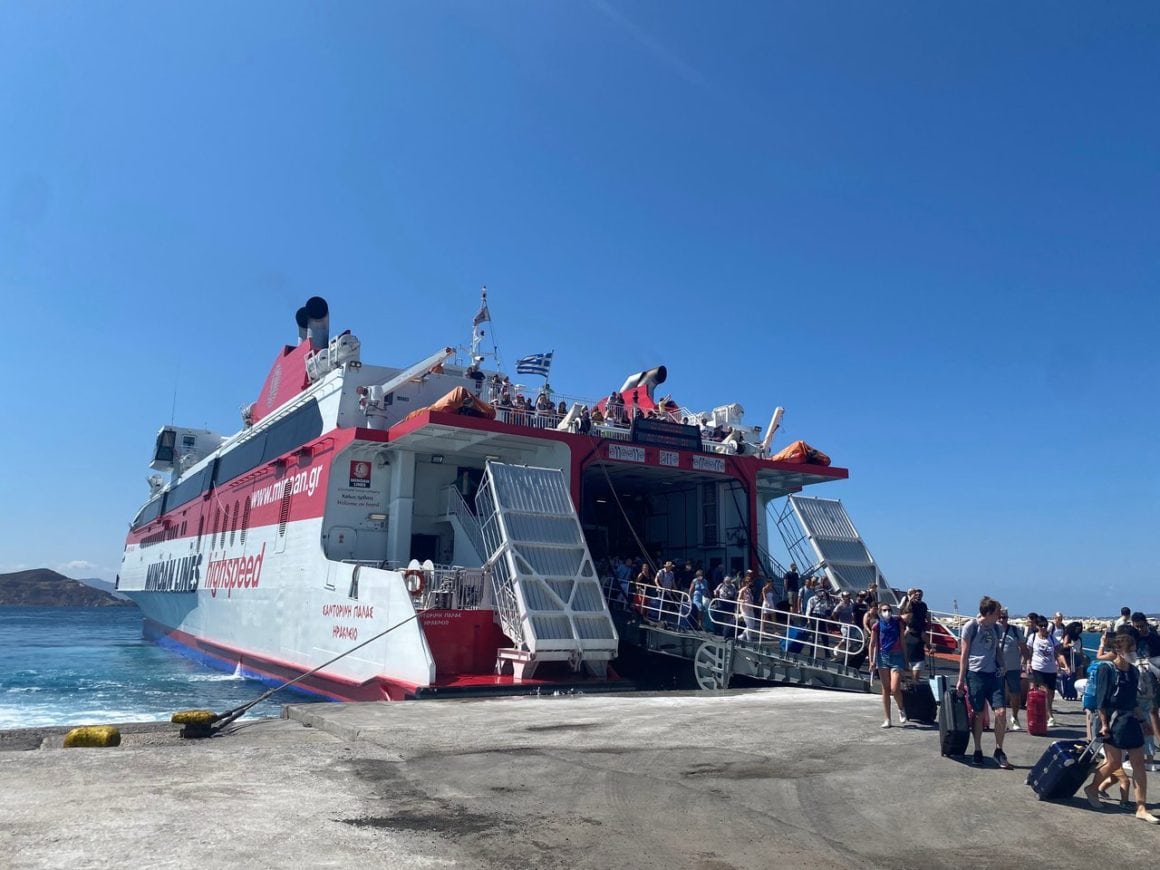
954, 726
1067, 687
918, 702
1063, 768
1037, 712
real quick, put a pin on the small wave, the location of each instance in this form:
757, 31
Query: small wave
216, 678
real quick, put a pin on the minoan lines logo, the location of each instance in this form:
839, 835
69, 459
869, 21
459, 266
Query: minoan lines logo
244, 572
360, 474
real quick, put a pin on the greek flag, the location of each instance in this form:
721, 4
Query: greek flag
536, 364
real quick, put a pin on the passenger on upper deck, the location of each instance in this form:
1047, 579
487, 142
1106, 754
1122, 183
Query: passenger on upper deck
597, 417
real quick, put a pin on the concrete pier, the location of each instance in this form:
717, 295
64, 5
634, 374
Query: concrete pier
780, 777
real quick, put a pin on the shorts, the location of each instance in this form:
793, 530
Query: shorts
890, 661
915, 651
1013, 680
985, 687
1126, 732
1044, 678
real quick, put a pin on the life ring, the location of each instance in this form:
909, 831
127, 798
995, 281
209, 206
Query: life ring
416, 580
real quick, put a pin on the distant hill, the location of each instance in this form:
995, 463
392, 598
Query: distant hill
103, 585
41, 587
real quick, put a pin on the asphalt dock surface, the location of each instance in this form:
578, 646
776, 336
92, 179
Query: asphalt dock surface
766, 778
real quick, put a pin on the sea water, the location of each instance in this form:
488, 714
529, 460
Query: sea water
82, 665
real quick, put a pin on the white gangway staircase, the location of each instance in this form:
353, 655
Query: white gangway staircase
547, 594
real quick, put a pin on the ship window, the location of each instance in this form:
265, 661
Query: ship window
245, 519
190, 488
289, 433
200, 529
296, 429
709, 514
284, 514
150, 512
234, 523
245, 457
217, 525
166, 440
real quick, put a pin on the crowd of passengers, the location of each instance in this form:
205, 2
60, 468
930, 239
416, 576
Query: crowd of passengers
800, 614
542, 412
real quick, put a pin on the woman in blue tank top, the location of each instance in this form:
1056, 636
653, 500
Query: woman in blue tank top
886, 656
1121, 727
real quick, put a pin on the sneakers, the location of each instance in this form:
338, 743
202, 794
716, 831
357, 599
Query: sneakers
1001, 760
1093, 797
1014, 726
886, 724
902, 718
1145, 816
977, 758
1050, 721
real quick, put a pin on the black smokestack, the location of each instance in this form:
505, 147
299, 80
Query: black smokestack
648, 379
301, 319
317, 321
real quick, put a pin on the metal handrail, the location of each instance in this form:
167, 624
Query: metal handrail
453, 589
670, 606
766, 625
457, 507
819, 638
611, 430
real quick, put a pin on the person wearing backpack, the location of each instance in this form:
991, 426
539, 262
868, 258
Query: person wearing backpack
979, 677
1121, 725
1090, 697
1013, 652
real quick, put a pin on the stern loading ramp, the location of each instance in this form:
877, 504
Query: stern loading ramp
822, 540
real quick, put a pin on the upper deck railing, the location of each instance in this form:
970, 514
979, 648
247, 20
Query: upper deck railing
610, 430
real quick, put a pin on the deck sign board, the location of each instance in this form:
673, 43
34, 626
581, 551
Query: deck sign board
709, 463
662, 433
625, 453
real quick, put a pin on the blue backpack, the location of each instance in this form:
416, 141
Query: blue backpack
1095, 694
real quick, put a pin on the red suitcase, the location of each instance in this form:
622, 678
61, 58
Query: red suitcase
1037, 712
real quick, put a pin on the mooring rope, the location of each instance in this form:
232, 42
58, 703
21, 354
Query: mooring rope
205, 723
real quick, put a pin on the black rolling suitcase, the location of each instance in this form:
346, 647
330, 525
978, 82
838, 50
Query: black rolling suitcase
1067, 687
954, 725
918, 702
1063, 768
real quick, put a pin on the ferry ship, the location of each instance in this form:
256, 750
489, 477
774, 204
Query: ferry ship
431, 511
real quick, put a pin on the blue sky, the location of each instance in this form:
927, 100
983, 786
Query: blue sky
929, 232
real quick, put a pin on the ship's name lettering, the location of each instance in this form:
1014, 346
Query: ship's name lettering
243, 572
346, 611
174, 575
344, 632
304, 481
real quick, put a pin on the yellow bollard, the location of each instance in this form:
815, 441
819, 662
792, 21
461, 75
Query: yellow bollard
194, 717
93, 735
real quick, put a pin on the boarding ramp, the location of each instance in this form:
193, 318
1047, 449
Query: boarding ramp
726, 640
547, 594
823, 541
